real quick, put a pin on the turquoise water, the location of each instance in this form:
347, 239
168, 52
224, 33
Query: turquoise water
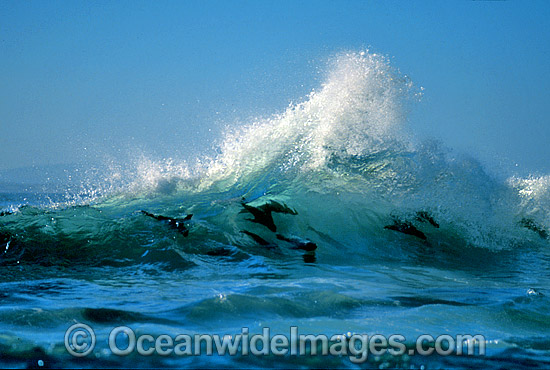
340, 170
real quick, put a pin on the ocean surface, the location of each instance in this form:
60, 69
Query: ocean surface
331, 217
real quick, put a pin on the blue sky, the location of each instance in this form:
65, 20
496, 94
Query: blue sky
82, 78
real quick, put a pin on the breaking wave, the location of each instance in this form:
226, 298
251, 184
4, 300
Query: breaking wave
344, 158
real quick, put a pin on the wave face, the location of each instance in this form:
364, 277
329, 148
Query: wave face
389, 219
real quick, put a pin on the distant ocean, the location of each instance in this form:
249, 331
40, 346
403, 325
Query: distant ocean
330, 217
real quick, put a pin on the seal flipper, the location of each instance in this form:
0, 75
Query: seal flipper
424, 216
406, 227
298, 243
258, 239
261, 216
151, 215
309, 257
533, 226
174, 223
273, 206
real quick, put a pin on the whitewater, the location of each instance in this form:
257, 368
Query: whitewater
332, 216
